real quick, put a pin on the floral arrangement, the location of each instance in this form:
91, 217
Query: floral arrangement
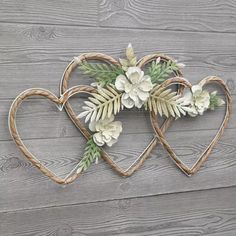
126, 86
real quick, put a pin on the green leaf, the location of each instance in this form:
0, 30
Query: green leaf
215, 101
159, 72
105, 74
91, 153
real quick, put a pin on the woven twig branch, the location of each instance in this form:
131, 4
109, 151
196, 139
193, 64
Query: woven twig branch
62, 102
66, 93
205, 154
105, 58
59, 103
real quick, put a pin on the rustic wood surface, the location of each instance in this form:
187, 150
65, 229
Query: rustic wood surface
37, 41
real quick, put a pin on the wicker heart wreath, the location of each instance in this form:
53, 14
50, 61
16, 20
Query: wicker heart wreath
203, 157
59, 102
169, 65
125, 84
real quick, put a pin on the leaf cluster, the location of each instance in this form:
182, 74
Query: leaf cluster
159, 72
91, 153
105, 74
215, 101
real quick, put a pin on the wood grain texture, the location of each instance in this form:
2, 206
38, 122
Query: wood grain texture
210, 212
37, 41
180, 15
159, 175
69, 12
40, 63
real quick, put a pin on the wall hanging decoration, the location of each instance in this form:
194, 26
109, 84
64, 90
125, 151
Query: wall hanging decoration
125, 84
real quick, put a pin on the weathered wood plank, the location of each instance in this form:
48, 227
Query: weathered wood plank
25, 187
182, 15
35, 52
40, 63
54, 12
209, 212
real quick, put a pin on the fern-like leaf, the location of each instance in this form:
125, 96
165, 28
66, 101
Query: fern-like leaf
91, 153
215, 101
102, 104
165, 102
105, 74
159, 72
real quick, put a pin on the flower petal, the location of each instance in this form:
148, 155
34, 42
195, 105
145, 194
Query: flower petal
133, 94
92, 126
133, 69
110, 143
143, 95
120, 82
106, 136
128, 87
108, 120
192, 111
97, 138
196, 88
134, 74
187, 99
127, 101
138, 103
118, 129
146, 84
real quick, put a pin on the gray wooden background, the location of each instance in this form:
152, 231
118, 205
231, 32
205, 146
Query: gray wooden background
37, 41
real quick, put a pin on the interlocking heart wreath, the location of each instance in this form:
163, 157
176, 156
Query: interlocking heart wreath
62, 103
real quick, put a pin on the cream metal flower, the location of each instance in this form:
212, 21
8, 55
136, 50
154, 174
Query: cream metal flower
136, 87
106, 131
197, 100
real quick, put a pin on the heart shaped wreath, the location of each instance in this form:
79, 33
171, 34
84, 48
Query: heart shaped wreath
125, 84
105, 59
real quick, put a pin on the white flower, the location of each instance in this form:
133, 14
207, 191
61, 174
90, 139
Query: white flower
197, 100
201, 99
136, 87
106, 131
158, 60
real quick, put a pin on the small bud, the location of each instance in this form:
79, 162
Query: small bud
130, 52
94, 84
214, 93
79, 170
158, 60
129, 45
